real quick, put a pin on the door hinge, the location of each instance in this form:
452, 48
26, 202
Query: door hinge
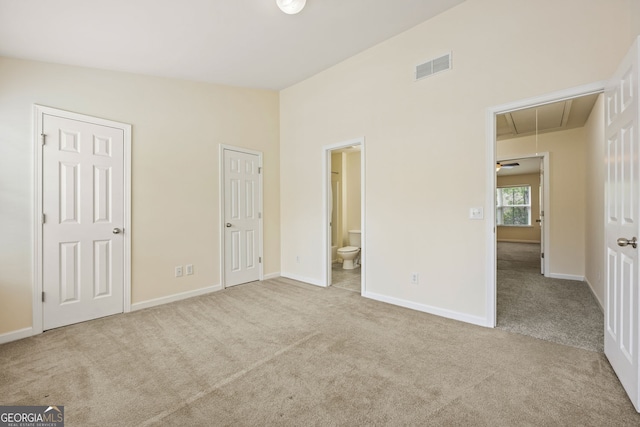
43, 297
260, 260
259, 215
44, 218
542, 255
259, 169
42, 138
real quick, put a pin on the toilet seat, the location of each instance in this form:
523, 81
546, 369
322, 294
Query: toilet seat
348, 249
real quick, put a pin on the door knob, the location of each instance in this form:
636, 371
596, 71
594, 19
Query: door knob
117, 231
624, 242
228, 224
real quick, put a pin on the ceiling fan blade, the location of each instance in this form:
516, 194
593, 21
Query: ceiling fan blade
510, 165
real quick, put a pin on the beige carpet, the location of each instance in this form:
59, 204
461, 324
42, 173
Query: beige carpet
562, 311
282, 353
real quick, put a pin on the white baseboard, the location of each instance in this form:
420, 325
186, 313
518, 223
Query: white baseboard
600, 304
16, 335
518, 241
271, 276
449, 314
174, 297
303, 279
565, 277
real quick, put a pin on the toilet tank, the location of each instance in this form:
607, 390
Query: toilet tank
354, 238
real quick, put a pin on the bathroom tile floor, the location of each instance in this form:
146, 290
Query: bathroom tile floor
345, 279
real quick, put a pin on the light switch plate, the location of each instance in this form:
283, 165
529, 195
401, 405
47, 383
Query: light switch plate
476, 213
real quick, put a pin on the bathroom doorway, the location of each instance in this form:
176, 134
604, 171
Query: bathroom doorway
344, 215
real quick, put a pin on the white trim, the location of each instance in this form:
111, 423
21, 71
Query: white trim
536, 101
449, 314
271, 276
16, 335
363, 222
38, 116
36, 304
490, 242
600, 305
518, 241
326, 215
307, 280
566, 277
221, 205
175, 297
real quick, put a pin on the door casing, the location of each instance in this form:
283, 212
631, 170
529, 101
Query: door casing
38, 112
221, 193
490, 202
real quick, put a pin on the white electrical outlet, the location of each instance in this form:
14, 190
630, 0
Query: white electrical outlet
415, 278
179, 271
189, 268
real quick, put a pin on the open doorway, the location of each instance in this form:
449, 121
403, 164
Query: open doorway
522, 195
541, 222
344, 215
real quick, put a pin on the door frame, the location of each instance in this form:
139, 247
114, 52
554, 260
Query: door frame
221, 204
326, 215
39, 111
546, 249
490, 214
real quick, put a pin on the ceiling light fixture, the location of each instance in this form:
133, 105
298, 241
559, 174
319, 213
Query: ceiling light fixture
291, 7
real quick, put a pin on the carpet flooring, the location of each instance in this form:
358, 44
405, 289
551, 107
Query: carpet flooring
283, 353
562, 311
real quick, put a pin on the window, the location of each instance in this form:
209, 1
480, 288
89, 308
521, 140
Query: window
513, 207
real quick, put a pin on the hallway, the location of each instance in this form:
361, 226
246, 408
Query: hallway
561, 311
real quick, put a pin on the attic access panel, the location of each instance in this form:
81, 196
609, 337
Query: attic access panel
557, 116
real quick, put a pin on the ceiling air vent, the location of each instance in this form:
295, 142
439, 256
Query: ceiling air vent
436, 65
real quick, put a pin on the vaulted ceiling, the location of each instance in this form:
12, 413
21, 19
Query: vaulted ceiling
248, 43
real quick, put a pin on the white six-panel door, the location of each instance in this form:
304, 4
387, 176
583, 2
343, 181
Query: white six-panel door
622, 202
241, 217
82, 233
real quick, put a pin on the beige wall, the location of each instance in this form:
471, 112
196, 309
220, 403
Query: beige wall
567, 181
177, 129
594, 224
503, 51
522, 234
336, 177
634, 15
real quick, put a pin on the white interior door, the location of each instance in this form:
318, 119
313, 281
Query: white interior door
621, 211
82, 232
242, 245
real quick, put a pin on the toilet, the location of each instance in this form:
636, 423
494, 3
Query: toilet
349, 254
